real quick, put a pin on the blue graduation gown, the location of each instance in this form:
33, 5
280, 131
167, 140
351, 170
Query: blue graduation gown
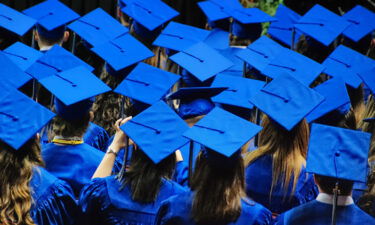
103, 203
73, 163
318, 213
258, 186
181, 174
53, 200
177, 210
97, 137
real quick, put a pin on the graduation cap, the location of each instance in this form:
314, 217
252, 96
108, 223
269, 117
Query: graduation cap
361, 23
149, 14
260, 53
282, 29
11, 73
368, 77
286, 100
247, 22
321, 24
222, 132
337, 152
157, 131
178, 36
301, 67
56, 60
346, 63
335, 94
218, 39
195, 101
239, 90
238, 65
122, 52
14, 21
98, 27
22, 55
51, 16
201, 61
21, 117
147, 84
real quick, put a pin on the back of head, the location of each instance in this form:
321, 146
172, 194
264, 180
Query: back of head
144, 177
15, 194
218, 188
327, 185
288, 150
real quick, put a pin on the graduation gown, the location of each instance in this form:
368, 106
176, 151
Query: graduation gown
319, 213
103, 203
53, 200
258, 187
177, 210
73, 163
96, 137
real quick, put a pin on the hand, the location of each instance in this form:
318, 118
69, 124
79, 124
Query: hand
179, 157
119, 140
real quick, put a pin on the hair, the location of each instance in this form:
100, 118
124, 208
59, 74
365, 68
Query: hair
369, 112
288, 150
327, 184
367, 201
65, 128
144, 177
15, 194
218, 190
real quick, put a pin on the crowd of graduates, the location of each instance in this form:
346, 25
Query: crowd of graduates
139, 119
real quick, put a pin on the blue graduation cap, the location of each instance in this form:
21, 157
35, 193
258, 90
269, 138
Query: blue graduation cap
218, 39
282, 29
346, 63
147, 84
122, 52
301, 67
361, 23
368, 78
149, 13
322, 24
157, 131
239, 90
335, 94
222, 132
238, 65
260, 53
51, 16
178, 36
201, 61
14, 21
286, 100
74, 85
57, 59
11, 73
98, 27
22, 55
21, 117
338, 153
247, 22
195, 101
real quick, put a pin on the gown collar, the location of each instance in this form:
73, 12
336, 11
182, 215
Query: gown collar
341, 201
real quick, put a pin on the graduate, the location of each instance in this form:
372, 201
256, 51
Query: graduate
133, 196
29, 194
332, 151
218, 185
275, 172
68, 157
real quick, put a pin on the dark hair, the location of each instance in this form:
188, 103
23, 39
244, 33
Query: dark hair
144, 177
327, 184
218, 190
67, 128
367, 201
15, 193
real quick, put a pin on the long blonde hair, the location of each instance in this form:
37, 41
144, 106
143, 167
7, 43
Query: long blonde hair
288, 150
15, 194
369, 112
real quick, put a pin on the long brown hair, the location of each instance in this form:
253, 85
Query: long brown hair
15, 194
144, 177
218, 190
288, 150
